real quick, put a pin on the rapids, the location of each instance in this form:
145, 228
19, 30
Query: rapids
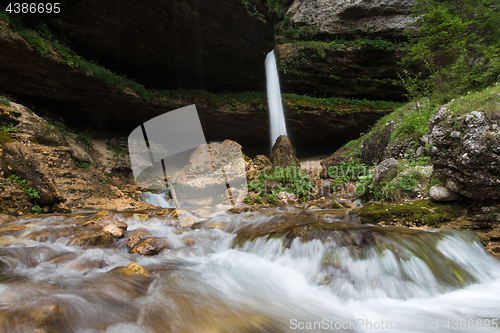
265, 271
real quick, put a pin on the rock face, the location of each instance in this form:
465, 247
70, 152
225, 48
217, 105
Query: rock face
283, 154
211, 45
466, 151
318, 54
19, 160
320, 68
339, 18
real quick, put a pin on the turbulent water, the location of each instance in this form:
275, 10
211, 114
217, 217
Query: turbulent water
277, 117
250, 272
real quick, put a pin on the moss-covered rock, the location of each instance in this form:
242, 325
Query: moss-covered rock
419, 212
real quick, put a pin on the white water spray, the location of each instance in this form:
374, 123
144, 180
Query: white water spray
278, 126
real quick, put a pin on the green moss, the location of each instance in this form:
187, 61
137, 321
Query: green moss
420, 212
4, 138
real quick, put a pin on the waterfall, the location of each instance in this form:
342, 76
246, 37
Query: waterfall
278, 126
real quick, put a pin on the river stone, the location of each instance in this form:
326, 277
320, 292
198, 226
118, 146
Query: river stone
150, 246
105, 221
283, 154
441, 193
6, 218
91, 238
18, 159
114, 230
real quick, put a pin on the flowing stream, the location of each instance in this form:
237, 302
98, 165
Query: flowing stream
277, 117
265, 271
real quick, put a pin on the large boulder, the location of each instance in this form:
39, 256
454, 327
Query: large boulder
214, 174
465, 151
283, 154
19, 160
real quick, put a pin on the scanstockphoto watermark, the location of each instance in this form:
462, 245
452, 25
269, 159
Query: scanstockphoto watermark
353, 324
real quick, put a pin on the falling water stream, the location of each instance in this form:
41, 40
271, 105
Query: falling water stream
261, 271
277, 117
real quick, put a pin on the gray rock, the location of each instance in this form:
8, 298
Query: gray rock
467, 163
384, 169
441, 193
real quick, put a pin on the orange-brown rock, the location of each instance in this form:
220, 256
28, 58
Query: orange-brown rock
150, 246
20, 160
91, 238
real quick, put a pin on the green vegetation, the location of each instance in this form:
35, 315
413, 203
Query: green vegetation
82, 165
290, 179
84, 138
339, 102
4, 138
36, 209
4, 100
352, 171
8, 128
417, 212
116, 151
458, 44
26, 186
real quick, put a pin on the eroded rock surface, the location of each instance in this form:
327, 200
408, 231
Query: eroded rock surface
466, 151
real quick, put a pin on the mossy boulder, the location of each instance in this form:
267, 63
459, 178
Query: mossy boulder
419, 212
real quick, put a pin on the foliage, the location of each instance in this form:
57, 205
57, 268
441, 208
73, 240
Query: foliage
36, 209
458, 43
82, 165
84, 138
352, 171
8, 128
116, 151
290, 179
4, 100
26, 186
339, 102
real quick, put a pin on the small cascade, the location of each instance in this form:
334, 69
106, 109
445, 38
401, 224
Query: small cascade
277, 117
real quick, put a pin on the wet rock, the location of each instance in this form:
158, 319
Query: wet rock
186, 221
189, 242
18, 159
283, 154
106, 221
91, 238
150, 246
114, 230
6, 218
441, 193
132, 269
